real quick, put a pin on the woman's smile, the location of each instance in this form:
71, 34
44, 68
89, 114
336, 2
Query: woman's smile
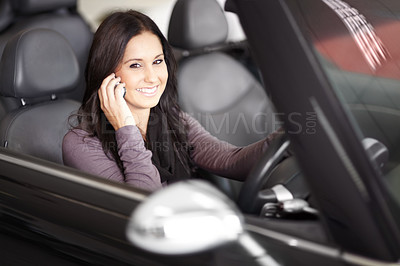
148, 91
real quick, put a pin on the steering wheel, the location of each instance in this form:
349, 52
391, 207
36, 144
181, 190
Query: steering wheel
253, 195
277, 167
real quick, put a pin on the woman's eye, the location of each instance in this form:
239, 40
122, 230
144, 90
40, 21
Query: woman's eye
135, 65
158, 61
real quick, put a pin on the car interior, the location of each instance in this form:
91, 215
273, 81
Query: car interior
216, 82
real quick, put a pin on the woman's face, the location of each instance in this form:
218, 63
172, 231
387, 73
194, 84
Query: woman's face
144, 71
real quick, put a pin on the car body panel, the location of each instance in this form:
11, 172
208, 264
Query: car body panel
66, 214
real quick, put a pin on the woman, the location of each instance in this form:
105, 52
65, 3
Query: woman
142, 139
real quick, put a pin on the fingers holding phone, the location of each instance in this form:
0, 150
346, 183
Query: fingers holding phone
120, 89
112, 102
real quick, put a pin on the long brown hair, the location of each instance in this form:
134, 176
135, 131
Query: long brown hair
107, 50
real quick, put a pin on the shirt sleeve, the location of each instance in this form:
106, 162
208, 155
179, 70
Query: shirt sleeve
86, 153
220, 157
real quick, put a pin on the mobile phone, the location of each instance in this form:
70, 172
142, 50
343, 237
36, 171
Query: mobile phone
123, 89
123, 92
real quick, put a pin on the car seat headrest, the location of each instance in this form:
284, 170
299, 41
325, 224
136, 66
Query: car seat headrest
35, 6
196, 24
37, 63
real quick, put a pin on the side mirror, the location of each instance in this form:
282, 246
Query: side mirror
189, 217
185, 217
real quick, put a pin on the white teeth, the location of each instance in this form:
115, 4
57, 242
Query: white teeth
148, 90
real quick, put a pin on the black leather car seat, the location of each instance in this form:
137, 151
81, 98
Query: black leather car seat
215, 88
226, 98
58, 15
38, 64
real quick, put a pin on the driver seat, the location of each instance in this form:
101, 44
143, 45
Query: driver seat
38, 64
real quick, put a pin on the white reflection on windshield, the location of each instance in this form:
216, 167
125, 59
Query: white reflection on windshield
362, 32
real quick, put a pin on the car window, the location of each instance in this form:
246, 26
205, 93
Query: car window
159, 10
358, 47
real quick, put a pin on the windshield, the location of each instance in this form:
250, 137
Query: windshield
357, 43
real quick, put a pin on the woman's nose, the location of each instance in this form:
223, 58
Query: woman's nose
150, 75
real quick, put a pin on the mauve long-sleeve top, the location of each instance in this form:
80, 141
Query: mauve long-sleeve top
209, 153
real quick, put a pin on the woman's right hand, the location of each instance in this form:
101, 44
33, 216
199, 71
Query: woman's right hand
113, 104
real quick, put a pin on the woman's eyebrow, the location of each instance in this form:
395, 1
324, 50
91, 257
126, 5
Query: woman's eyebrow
139, 59
133, 59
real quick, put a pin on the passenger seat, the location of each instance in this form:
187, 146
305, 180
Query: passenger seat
38, 64
215, 88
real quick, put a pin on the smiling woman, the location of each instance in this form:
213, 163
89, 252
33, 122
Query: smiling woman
143, 139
